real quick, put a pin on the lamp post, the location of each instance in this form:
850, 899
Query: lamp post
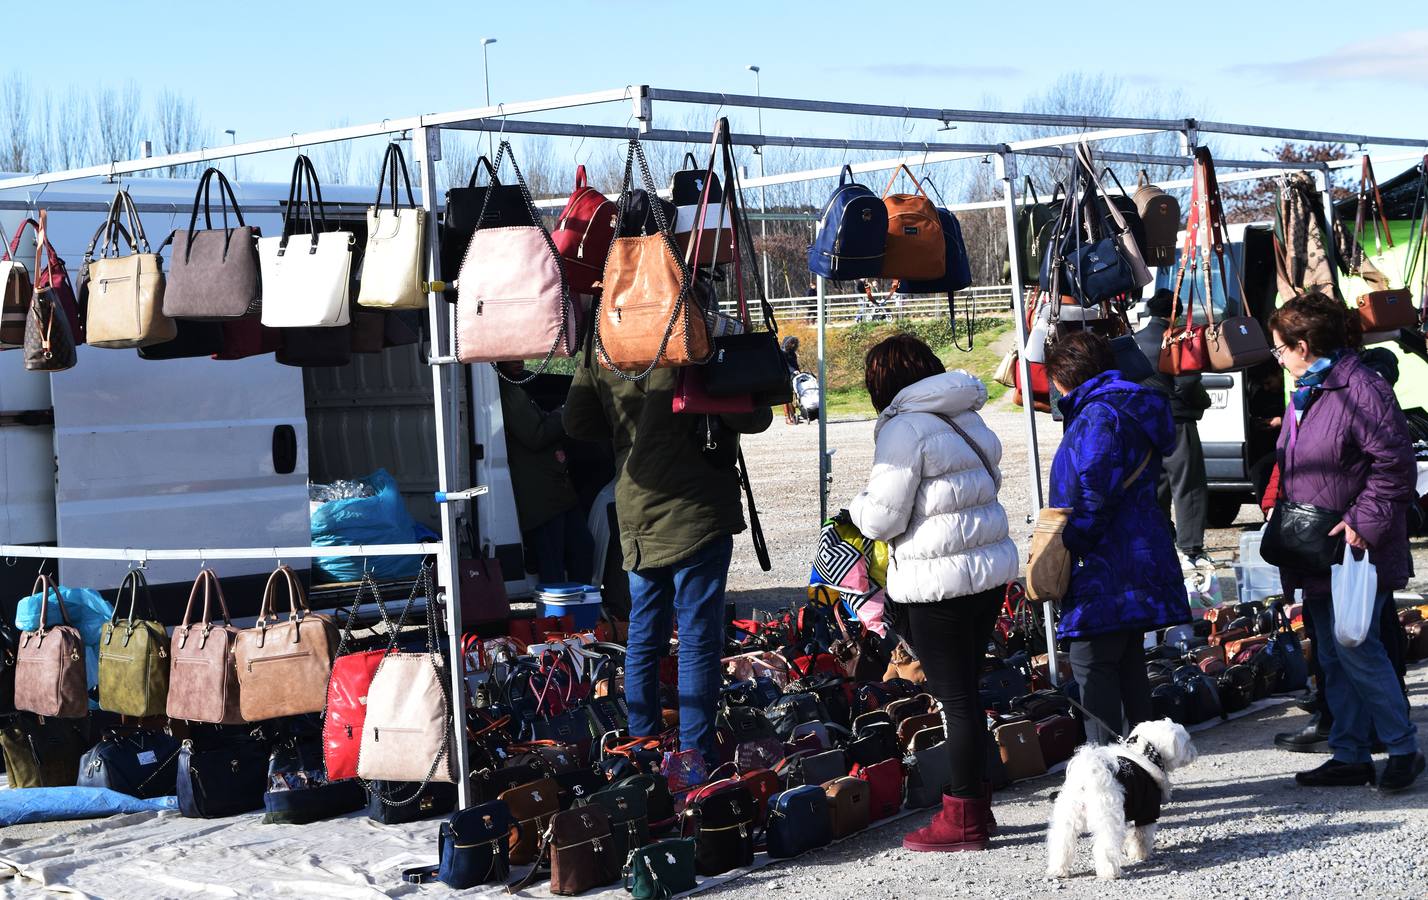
486, 68
233, 139
763, 196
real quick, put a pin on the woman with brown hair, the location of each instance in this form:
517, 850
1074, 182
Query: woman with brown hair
932, 496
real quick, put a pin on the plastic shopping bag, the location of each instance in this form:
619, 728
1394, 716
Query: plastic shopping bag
1354, 584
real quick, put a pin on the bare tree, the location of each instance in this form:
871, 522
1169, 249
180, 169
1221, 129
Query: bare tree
119, 115
180, 129
1254, 201
333, 161
17, 133
64, 146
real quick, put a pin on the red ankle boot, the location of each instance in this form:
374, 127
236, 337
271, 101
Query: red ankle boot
961, 825
991, 813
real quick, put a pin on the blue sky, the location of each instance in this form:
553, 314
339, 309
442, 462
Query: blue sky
266, 68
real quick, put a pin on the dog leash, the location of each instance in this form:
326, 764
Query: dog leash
1095, 718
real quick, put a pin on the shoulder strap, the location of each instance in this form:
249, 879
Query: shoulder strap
976, 448
756, 531
1125, 485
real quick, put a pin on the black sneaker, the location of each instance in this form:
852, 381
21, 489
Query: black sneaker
1309, 739
1337, 774
1400, 772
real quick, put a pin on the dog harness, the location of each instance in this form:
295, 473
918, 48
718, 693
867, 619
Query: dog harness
1142, 790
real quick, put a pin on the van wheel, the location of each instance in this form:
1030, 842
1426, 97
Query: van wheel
1223, 510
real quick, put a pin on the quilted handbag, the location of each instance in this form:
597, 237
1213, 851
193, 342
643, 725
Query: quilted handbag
222, 773
203, 675
51, 278
495, 205
134, 655
722, 825
123, 296
513, 301
885, 782
143, 764
798, 821
214, 272
394, 262
283, 667
49, 663
307, 270
583, 233
916, 248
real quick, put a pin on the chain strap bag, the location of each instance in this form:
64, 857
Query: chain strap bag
123, 296
49, 335
648, 316
468, 208
513, 301
306, 273
394, 263
214, 272
203, 675
49, 663
283, 667
134, 655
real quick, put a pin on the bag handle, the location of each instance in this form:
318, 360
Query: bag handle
135, 582
734, 192
491, 179
297, 601
1028, 187
41, 242
201, 196
1381, 232
1111, 172
44, 586
579, 177
756, 531
893, 180
392, 161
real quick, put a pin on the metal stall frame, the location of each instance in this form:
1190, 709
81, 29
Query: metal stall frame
447, 374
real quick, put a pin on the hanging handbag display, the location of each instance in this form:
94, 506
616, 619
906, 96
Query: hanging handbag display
1160, 216
123, 296
49, 336
916, 248
222, 772
49, 663
648, 316
496, 205
1035, 226
307, 270
214, 272
700, 210
1384, 309
283, 667
394, 263
583, 234
661, 870
1119, 218
14, 303
203, 676
50, 277
143, 764
513, 301
134, 655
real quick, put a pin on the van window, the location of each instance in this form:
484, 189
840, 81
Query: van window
1223, 306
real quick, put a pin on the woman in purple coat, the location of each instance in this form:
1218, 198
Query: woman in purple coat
1348, 450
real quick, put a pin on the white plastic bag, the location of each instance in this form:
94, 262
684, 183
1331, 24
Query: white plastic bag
1354, 584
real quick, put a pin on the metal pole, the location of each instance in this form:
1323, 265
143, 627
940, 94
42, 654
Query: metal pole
445, 383
1006, 165
486, 81
825, 469
763, 195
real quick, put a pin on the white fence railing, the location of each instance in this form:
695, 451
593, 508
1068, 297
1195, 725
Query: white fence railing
846, 309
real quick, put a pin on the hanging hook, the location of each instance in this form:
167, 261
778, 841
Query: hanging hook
277, 557
144, 562
202, 559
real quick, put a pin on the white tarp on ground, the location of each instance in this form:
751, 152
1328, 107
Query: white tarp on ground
157, 856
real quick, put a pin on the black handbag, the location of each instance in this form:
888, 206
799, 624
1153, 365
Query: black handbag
40, 751
791, 710
929, 772
435, 799
143, 764
196, 338
298, 791
8, 645
629, 816
223, 772
506, 208
1297, 538
722, 825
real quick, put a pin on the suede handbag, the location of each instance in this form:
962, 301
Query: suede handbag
214, 272
134, 656
123, 296
283, 667
203, 674
49, 663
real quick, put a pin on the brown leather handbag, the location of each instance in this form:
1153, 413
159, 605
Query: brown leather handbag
49, 664
1021, 749
849, 805
283, 667
532, 805
581, 851
649, 315
203, 676
49, 341
916, 248
914, 724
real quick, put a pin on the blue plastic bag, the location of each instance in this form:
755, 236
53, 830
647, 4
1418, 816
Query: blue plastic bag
58, 804
381, 519
87, 611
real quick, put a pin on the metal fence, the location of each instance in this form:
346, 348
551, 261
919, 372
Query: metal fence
846, 309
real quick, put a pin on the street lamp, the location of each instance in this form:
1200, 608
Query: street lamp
486, 68
763, 196
233, 135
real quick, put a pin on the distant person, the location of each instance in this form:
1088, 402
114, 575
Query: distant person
1183, 484
790, 360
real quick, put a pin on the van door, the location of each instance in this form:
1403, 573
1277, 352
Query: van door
27, 454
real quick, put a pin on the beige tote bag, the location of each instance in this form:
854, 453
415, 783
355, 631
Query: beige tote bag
394, 265
123, 296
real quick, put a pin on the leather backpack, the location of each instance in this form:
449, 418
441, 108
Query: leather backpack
852, 234
849, 805
583, 233
203, 673
134, 656
49, 663
916, 248
283, 667
798, 821
1160, 218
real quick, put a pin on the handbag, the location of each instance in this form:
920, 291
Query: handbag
1384, 309
134, 656
315, 348
283, 667
49, 335
916, 248
1129, 234
49, 663
1297, 538
143, 764
298, 790
194, 340
532, 805
222, 773
583, 233
483, 591
42, 752
849, 806
647, 316
579, 846
799, 821
661, 870
1160, 216
695, 213
307, 275
513, 301
627, 811
238, 339
467, 208
929, 774
435, 799
473, 846
394, 262
203, 675
722, 825
213, 273
1049, 563
123, 296
51, 278
1035, 225
884, 787
14, 303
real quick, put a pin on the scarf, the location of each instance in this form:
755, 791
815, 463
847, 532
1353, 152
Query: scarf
1307, 386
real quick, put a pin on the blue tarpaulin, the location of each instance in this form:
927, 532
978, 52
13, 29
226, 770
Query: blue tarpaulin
380, 519
57, 804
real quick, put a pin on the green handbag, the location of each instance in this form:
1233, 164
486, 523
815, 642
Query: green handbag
134, 656
661, 870
42, 752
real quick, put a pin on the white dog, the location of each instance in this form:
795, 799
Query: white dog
1108, 788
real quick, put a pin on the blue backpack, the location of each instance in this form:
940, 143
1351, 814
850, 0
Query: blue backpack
852, 234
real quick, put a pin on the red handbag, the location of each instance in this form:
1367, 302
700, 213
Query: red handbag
346, 708
884, 785
54, 277
583, 234
1183, 351
690, 396
537, 630
247, 337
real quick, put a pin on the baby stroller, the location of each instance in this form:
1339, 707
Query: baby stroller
806, 397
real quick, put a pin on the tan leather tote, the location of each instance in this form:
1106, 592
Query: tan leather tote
123, 296
49, 664
283, 667
649, 315
916, 248
203, 677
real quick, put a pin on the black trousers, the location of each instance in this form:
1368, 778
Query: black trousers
1183, 488
1110, 669
950, 639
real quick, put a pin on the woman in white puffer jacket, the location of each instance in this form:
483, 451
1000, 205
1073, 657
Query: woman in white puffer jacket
932, 496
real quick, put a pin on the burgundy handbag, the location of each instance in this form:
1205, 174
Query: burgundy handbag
243, 338
52, 277
1058, 736
690, 396
884, 785
483, 591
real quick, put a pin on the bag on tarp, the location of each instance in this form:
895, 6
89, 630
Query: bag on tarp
380, 519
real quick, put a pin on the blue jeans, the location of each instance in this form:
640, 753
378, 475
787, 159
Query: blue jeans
563, 548
1361, 686
691, 591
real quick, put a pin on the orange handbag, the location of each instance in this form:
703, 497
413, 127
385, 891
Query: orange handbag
916, 249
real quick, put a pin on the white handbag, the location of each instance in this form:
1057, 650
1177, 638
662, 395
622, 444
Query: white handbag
394, 264
306, 276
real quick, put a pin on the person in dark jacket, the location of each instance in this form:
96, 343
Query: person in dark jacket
1345, 447
1183, 484
677, 503
1124, 577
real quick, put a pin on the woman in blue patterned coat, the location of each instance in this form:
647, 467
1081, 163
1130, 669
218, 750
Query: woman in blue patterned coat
1125, 578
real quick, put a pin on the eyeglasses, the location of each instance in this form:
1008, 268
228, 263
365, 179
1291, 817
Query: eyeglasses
1277, 351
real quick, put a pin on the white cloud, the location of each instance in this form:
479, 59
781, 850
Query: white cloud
1398, 57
